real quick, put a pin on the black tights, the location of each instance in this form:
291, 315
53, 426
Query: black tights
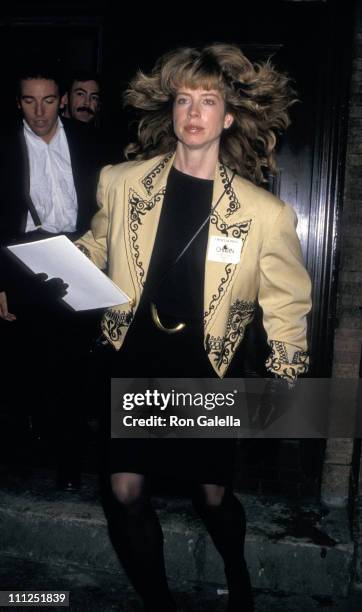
138, 538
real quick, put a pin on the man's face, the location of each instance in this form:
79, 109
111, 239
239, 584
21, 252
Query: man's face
40, 102
83, 101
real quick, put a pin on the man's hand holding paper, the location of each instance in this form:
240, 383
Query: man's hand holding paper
58, 258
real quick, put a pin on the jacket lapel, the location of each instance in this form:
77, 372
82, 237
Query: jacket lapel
226, 222
145, 200
23, 168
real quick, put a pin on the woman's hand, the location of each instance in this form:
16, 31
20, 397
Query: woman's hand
4, 312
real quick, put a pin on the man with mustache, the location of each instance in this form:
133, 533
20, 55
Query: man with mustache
82, 100
49, 164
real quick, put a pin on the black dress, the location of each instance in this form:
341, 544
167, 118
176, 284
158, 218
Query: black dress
150, 352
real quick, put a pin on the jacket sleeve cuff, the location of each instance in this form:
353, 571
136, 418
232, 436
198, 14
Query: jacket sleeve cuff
286, 361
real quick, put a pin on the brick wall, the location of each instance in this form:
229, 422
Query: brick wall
348, 335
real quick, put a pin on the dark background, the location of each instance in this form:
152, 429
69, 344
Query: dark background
311, 40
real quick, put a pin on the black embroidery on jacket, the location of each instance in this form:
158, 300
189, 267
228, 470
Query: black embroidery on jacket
234, 203
138, 209
224, 283
223, 349
237, 230
150, 177
114, 321
278, 361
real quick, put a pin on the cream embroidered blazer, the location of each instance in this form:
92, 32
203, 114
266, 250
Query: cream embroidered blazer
270, 270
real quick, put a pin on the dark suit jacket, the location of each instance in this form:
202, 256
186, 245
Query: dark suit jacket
86, 158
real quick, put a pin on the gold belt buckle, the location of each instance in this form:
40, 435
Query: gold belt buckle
159, 325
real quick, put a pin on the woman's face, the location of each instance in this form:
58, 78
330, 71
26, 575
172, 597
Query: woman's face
199, 117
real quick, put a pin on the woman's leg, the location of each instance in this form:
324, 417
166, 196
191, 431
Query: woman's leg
137, 536
224, 518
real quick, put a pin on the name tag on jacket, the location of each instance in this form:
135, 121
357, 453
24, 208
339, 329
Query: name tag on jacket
224, 250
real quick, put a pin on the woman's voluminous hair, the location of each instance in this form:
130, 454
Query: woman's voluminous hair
257, 95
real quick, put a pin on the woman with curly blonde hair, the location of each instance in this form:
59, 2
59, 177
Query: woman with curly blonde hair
190, 237
257, 96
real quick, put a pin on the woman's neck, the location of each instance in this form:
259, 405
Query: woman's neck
198, 163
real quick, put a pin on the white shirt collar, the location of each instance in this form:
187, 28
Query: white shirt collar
31, 133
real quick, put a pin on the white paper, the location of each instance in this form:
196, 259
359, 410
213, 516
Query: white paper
58, 257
